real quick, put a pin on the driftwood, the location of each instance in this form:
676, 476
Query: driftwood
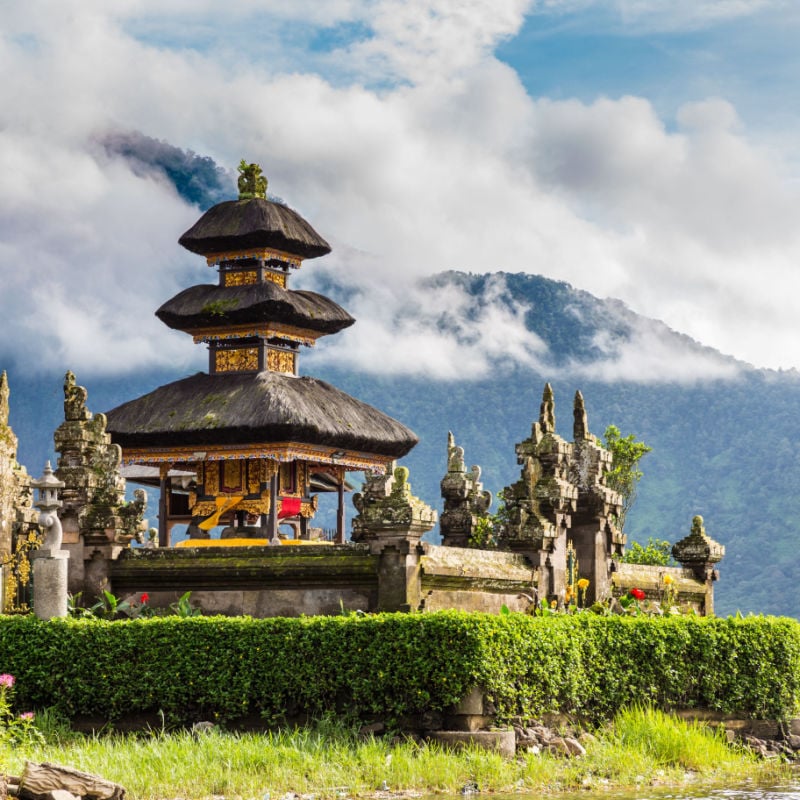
55, 782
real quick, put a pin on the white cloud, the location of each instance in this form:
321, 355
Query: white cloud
440, 332
653, 354
448, 164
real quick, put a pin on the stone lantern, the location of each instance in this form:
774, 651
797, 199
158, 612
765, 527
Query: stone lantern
49, 561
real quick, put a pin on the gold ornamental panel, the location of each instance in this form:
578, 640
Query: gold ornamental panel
232, 476
244, 359
275, 277
281, 361
239, 278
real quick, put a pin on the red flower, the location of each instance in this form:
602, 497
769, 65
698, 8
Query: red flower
146, 597
637, 594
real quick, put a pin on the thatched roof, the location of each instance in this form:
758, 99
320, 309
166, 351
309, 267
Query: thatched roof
255, 223
233, 408
213, 306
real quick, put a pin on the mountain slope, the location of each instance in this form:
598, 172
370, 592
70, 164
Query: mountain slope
723, 433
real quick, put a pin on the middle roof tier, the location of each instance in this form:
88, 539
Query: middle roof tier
208, 306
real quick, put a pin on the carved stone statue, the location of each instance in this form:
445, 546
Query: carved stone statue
251, 182
465, 500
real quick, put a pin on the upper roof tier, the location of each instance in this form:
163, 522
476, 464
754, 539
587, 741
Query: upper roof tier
249, 224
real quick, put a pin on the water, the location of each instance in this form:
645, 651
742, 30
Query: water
749, 792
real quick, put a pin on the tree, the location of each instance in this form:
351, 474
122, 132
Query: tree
657, 553
624, 474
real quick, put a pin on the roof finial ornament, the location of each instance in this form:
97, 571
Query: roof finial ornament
547, 412
580, 428
251, 182
4, 394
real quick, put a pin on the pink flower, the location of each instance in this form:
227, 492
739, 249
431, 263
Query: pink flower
27, 716
6, 680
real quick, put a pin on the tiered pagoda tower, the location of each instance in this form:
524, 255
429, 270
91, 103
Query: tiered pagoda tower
252, 430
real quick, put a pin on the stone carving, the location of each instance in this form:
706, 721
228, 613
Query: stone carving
94, 505
539, 504
698, 551
465, 501
594, 531
386, 506
17, 516
48, 504
251, 181
561, 505
74, 400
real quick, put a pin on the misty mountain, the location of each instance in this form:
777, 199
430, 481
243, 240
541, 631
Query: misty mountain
197, 179
723, 447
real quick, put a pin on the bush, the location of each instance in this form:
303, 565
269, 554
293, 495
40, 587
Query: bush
393, 665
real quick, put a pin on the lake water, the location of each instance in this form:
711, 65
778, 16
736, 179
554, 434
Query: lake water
788, 792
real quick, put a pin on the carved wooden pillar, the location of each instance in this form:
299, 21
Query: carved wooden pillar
340, 512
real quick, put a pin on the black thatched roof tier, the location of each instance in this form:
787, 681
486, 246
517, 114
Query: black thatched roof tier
210, 305
248, 224
234, 408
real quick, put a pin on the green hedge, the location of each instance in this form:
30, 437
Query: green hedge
399, 664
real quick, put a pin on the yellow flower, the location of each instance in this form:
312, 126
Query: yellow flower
668, 579
553, 603
583, 583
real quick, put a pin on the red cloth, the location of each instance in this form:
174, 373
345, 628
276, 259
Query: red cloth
290, 507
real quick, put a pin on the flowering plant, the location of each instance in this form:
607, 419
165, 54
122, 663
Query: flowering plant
583, 585
630, 601
17, 730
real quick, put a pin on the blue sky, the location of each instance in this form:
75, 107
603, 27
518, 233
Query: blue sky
639, 149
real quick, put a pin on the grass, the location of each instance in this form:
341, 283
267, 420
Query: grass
641, 747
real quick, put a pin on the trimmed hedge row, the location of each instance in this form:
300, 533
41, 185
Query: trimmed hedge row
393, 665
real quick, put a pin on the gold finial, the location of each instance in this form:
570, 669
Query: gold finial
251, 182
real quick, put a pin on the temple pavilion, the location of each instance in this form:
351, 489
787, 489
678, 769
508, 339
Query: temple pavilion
251, 442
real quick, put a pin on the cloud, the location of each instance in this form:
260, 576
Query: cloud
653, 353
405, 142
437, 330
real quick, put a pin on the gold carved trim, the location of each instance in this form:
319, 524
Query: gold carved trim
241, 359
276, 451
213, 259
268, 331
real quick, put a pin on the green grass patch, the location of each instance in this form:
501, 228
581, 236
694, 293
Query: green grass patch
639, 747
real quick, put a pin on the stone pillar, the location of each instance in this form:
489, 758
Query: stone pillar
465, 501
50, 583
699, 553
595, 535
392, 521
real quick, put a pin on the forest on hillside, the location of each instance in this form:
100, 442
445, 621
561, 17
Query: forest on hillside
724, 449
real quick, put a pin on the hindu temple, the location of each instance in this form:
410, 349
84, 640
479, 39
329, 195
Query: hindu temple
251, 441
241, 454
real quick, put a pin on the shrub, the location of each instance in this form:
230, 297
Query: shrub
393, 665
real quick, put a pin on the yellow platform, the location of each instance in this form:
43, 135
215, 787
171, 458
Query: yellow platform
245, 542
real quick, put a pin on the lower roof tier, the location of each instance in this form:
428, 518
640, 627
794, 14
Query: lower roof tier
231, 409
